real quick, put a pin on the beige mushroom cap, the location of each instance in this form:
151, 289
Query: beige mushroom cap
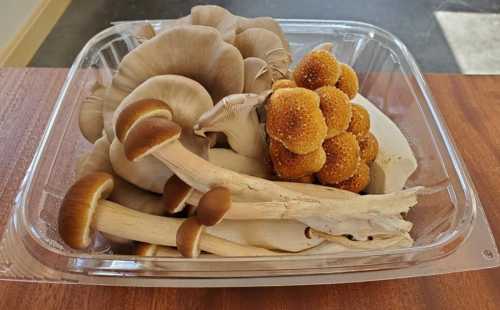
148, 135
90, 118
149, 173
78, 207
264, 44
267, 23
216, 17
196, 52
175, 194
258, 77
188, 237
213, 205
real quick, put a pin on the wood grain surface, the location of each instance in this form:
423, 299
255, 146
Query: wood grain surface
471, 107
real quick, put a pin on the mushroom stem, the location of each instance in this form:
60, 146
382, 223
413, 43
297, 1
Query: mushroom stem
114, 219
279, 200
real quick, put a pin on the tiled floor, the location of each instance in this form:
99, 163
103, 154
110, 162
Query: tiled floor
414, 22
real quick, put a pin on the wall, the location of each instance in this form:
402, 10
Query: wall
14, 14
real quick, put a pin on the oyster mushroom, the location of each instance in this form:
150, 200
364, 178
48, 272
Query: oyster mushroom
267, 23
216, 17
236, 117
143, 31
258, 77
196, 52
264, 44
90, 118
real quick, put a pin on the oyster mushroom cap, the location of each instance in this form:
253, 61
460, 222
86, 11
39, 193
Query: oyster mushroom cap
326, 46
196, 52
217, 17
267, 23
143, 31
90, 119
236, 117
258, 77
264, 44
149, 174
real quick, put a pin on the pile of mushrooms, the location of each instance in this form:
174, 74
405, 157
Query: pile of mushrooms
175, 174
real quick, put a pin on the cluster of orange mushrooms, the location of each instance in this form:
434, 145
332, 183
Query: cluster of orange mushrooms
315, 131
179, 163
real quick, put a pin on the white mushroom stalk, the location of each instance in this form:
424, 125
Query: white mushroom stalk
236, 117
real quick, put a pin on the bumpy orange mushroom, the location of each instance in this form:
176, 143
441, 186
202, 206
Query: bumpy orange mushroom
336, 109
360, 121
295, 119
348, 81
283, 83
358, 181
290, 165
368, 146
317, 68
342, 159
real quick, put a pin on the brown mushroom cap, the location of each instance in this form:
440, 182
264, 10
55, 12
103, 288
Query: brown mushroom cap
188, 237
145, 249
139, 110
317, 68
348, 81
360, 121
78, 208
368, 147
283, 83
342, 159
294, 119
336, 109
148, 135
290, 165
358, 181
175, 194
213, 205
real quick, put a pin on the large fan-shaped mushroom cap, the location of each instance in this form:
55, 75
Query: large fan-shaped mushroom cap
197, 52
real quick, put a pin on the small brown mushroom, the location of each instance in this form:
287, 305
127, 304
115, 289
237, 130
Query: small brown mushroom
188, 237
84, 208
213, 205
284, 83
175, 194
368, 147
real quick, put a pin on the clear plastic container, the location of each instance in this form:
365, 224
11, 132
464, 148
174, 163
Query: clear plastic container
389, 77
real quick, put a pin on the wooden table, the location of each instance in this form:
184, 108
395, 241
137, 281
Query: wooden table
471, 107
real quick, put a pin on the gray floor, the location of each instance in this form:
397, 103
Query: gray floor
412, 21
